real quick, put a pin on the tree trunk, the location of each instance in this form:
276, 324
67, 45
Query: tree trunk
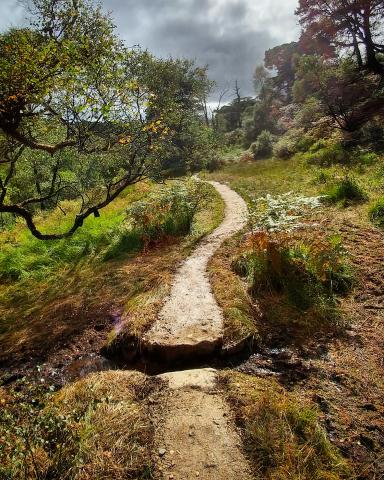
372, 63
357, 51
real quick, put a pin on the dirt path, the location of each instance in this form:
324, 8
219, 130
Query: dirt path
191, 323
195, 437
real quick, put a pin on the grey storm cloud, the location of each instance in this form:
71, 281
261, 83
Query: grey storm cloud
230, 36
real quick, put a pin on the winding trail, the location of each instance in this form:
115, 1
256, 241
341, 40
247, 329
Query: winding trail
195, 435
191, 323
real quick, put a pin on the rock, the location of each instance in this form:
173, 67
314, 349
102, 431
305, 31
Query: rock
162, 452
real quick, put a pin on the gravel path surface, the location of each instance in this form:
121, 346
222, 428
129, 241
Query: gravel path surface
191, 322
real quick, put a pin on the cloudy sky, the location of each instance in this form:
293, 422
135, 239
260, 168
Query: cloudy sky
228, 35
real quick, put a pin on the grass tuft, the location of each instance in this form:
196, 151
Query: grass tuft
346, 191
306, 274
376, 212
282, 436
97, 427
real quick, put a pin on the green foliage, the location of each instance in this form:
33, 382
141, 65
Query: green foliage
293, 141
166, 212
376, 212
233, 138
372, 135
284, 148
262, 148
280, 212
367, 158
230, 117
321, 177
133, 117
308, 273
324, 153
346, 191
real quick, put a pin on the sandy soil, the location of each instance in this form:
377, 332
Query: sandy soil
195, 435
191, 323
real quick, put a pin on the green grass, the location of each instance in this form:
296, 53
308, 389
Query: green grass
267, 176
145, 213
345, 191
276, 177
376, 212
69, 283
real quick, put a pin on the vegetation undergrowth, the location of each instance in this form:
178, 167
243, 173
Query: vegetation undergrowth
237, 305
282, 435
297, 281
376, 212
345, 191
124, 278
97, 427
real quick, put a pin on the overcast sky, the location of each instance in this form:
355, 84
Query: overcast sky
228, 35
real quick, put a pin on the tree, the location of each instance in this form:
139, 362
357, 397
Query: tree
282, 60
81, 115
345, 24
347, 96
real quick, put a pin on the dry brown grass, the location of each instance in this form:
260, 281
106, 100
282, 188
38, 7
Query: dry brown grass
282, 435
240, 315
117, 435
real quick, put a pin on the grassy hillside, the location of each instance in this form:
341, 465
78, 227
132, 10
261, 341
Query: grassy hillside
313, 276
53, 290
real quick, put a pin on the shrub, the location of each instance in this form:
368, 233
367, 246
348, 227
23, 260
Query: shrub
308, 274
294, 141
376, 212
372, 134
346, 191
284, 148
169, 211
236, 137
368, 158
321, 177
325, 154
263, 146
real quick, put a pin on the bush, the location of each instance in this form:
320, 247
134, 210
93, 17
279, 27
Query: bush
368, 158
376, 213
372, 134
294, 141
321, 177
308, 274
236, 137
284, 148
346, 191
263, 146
325, 154
169, 211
